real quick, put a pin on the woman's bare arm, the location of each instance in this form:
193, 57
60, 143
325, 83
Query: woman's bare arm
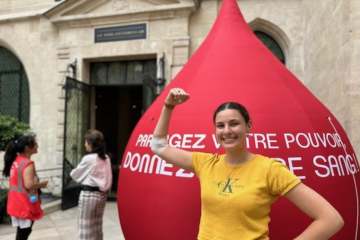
327, 220
29, 178
175, 156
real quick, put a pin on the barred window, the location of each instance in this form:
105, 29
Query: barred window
14, 87
122, 73
271, 44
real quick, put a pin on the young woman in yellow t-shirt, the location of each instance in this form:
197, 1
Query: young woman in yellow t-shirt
223, 184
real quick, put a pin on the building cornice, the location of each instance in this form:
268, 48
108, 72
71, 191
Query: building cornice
122, 17
20, 14
161, 11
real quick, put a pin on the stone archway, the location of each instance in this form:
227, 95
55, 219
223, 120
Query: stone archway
275, 32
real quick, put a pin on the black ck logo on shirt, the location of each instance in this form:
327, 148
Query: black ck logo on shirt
227, 185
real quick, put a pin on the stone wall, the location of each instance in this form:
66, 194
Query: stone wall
33, 41
47, 44
332, 59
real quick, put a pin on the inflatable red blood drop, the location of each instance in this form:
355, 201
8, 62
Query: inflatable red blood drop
157, 200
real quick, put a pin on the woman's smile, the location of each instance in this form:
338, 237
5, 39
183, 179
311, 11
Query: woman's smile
229, 139
231, 129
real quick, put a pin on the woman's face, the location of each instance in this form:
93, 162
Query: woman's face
88, 147
231, 129
35, 148
32, 150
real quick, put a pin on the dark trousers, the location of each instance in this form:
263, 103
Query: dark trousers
23, 233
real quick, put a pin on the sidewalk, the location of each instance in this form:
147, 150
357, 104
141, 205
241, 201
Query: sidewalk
62, 225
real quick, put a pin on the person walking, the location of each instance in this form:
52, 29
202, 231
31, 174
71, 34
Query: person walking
23, 203
94, 174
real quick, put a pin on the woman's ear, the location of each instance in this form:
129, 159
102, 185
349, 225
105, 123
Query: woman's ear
249, 125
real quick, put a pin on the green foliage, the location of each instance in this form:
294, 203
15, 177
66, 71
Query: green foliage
4, 218
10, 129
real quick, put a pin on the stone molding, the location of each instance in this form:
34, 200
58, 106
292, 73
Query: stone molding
275, 32
133, 15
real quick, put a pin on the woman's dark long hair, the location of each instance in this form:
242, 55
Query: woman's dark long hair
13, 148
235, 106
96, 140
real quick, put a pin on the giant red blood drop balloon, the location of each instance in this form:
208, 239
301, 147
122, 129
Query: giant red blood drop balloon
159, 201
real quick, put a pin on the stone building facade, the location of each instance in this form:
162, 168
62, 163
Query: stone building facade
86, 40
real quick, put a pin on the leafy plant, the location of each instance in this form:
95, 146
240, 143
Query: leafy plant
10, 129
4, 217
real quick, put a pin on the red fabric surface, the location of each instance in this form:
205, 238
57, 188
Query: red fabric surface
233, 65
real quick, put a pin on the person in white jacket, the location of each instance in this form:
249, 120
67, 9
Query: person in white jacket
94, 174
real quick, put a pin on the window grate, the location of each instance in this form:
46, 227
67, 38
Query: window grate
122, 73
14, 87
271, 44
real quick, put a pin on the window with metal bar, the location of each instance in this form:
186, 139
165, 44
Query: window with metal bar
271, 44
122, 73
14, 87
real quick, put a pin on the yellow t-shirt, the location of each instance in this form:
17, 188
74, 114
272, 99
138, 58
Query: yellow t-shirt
238, 207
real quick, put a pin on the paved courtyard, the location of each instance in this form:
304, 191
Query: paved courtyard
62, 225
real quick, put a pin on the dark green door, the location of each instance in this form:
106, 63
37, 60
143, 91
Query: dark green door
77, 122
